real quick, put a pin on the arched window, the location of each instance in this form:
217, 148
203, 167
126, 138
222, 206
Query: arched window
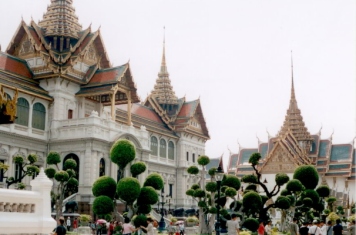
102, 167
154, 146
23, 109
193, 157
170, 150
39, 116
162, 148
18, 171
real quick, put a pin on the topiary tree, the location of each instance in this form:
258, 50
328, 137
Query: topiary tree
65, 179
137, 199
254, 204
25, 167
204, 193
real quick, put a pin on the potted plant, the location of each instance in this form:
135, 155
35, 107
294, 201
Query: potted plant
84, 219
192, 221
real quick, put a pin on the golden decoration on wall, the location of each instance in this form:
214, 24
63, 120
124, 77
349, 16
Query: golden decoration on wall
8, 107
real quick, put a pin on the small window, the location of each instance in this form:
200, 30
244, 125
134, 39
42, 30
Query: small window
170, 190
2, 172
187, 156
154, 145
39, 116
23, 110
18, 171
102, 167
70, 114
162, 148
193, 157
171, 150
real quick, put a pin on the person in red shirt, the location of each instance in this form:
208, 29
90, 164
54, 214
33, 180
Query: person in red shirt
75, 224
261, 229
111, 228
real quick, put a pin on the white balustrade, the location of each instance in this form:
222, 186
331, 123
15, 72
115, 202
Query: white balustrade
27, 212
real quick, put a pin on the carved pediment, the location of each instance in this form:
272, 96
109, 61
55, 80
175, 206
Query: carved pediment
280, 161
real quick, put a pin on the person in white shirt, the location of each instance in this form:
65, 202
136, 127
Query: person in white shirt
323, 227
314, 230
68, 223
268, 227
233, 225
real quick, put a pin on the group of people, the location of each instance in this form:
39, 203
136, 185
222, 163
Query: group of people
172, 229
320, 228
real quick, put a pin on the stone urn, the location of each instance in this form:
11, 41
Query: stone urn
84, 230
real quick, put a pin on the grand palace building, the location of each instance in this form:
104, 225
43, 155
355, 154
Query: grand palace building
71, 100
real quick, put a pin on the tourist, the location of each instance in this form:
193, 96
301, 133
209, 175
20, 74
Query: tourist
171, 229
75, 224
149, 228
315, 230
338, 228
261, 229
303, 230
293, 227
99, 228
68, 223
268, 227
322, 227
181, 228
233, 225
352, 228
127, 227
329, 228
60, 229
93, 227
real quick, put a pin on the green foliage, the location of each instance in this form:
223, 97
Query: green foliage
154, 180
224, 212
61, 176
71, 172
251, 187
199, 193
32, 170
213, 210
50, 172
193, 170
282, 202
264, 199
318, 206
251, 224
53, 158
326, 211
21, 186
104, 186
140, 220
308, 202
249, 179
144, 209
238, 205
190, 192
254, 158
331, 200
148, 195
231, 181
223, 188
281, 179
18, 160
137, 168
294, 185
307, 175
211, 187
230, 192
252, 201
285, 192
195, 186
122, 152
32, 158
128, 189
70, 164
291, 199
323, 191
312, 194
203, 160
212, 171
202, 204
72, 182
103, 205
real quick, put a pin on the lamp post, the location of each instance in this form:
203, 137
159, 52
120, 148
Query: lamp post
169, 203
161, 223
218, 176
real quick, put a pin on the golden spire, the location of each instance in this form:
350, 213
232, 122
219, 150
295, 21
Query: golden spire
294, 120
163, 90
60, 20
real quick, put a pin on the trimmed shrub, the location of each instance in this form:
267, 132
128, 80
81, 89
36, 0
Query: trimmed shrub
254, 158
203, 160
122, 152
104, 185
230, 192
211, 187
202, 204
195, 186
312, 194
71, 172
190, 192
140, 220
128, 189
61, 176
32, 158
307, 175
281, 179
53, 158
32, 170
199, 193
70, 164
308, 202
103, 205
137, 168
154, 180
148, 195
294, 185
252, 201
251, 224
18, 160
282, 202
249, 179
231, 181
72, 182
285, 192
251, 187
212, 171
193, 170
144, 209
213, 210
50, 172
323, 191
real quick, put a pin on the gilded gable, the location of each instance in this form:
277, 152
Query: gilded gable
279, 161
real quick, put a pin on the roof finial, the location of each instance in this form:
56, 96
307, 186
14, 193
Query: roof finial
163, 64
292, 93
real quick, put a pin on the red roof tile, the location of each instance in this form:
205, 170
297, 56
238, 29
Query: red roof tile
14, 65
142, 111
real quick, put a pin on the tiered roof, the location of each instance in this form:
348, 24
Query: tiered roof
60, 20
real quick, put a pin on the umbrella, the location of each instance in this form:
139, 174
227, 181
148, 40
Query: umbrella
179, 222
101, 221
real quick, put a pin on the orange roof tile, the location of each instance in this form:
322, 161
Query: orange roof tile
14, 65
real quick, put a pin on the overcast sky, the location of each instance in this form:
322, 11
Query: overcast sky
235, 55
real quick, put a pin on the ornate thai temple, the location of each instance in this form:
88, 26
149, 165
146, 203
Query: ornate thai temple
70, 99
294, 146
